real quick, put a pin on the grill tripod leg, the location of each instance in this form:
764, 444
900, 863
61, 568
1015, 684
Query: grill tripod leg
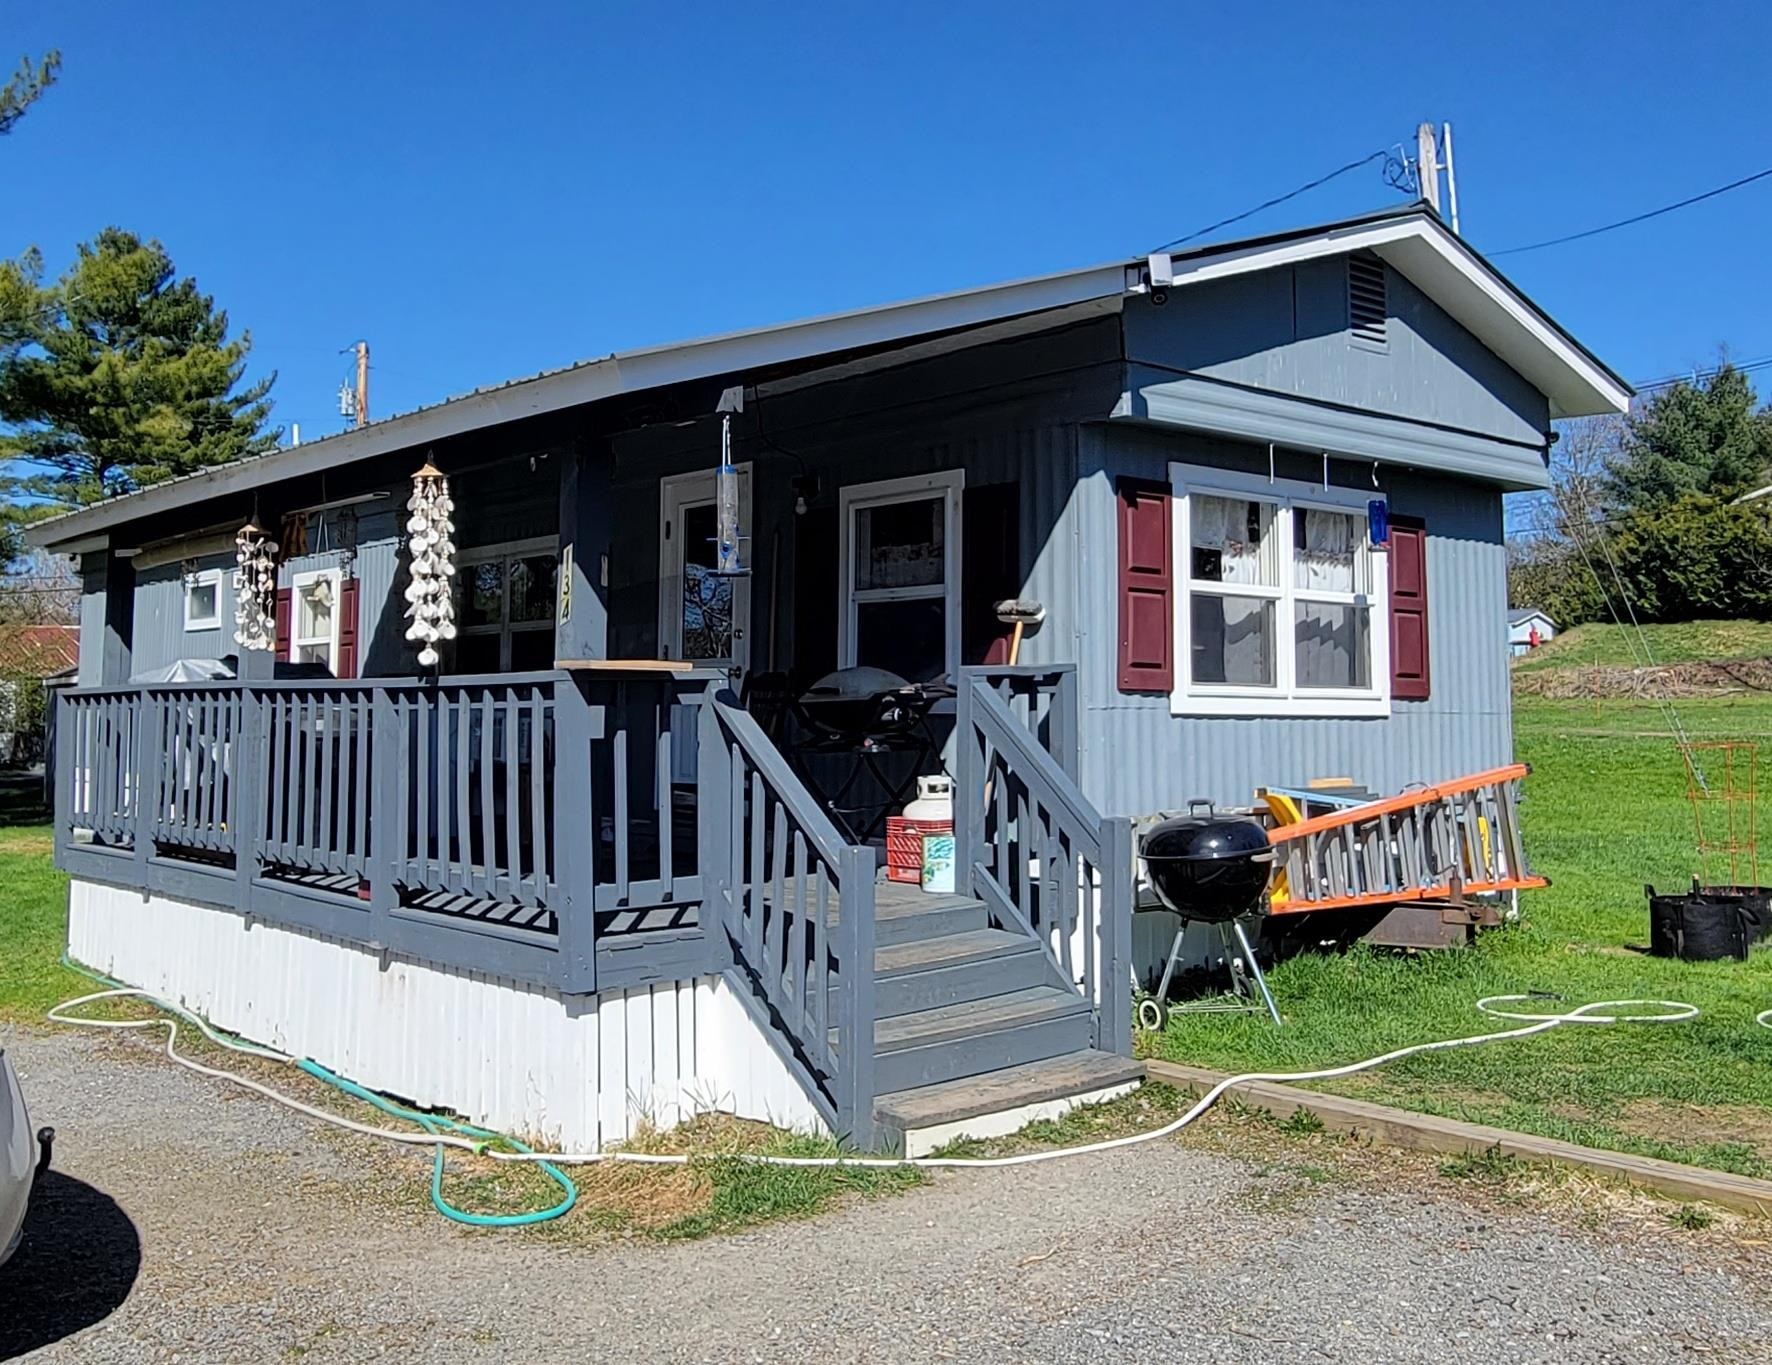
1255, 969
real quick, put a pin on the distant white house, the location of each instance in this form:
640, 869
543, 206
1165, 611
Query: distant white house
1521, 622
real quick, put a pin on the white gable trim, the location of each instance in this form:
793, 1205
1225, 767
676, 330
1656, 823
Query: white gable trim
1453, 276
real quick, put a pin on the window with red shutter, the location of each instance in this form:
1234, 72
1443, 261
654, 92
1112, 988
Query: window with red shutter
1410, 671
284, 600
1146, 587
347, 629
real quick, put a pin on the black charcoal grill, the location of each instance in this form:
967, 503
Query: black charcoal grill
881, 722
1209, 868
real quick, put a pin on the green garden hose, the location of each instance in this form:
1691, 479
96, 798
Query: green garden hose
431, 1123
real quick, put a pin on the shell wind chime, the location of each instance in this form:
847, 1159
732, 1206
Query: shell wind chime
255, 587
430, 531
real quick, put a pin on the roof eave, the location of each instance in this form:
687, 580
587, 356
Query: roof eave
624, 372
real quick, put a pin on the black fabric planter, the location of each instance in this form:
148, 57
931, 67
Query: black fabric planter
1756, 901
1696, 926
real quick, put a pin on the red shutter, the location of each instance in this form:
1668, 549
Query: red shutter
283, 605
1146, 587
347, 629
1410, 674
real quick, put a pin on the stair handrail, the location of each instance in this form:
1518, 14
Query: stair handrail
990, 739
789, 969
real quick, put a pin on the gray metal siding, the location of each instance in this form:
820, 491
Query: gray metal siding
978, 411
1138, 758
1285, 331
382, 648
160, 634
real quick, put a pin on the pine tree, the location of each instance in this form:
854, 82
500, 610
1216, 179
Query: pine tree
119, 375
1708, 438
26, 87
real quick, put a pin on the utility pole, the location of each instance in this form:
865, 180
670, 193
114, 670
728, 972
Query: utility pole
1451, 175
1427, 165
363, 354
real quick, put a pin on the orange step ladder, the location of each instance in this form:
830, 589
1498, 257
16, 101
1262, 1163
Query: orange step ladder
1455, 838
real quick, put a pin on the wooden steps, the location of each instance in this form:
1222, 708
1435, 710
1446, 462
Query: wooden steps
976, 1030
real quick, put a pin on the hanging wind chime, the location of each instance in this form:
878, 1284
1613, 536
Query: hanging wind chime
430, 539
255, 587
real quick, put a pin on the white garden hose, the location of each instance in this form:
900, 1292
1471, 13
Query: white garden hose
1764, 1019
1598, 1012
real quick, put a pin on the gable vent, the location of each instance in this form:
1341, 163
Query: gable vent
1365, 300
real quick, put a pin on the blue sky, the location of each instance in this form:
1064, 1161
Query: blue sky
487, 191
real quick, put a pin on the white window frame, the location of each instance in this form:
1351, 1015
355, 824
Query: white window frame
298, 641
1286, 697
203, 578
677, 494
504, 627
949, 484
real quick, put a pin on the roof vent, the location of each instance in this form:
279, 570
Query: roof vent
1365, 300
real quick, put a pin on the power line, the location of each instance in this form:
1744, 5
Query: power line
1694, 376
1290, 194
1639, 218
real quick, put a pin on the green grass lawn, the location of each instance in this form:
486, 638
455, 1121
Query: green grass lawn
1605, 812
33, 926
1596, 643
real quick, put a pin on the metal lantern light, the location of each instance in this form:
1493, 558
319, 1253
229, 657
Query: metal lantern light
430, 541
255, 587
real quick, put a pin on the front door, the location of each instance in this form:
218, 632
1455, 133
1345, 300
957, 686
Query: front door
702, 617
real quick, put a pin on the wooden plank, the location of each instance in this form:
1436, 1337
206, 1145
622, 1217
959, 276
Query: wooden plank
800, 941
330, 726
538, 809
1427, 1133
364, 735
622, 716
775, 915
663, 761
635, 666
757, 875
487, 880
283, 757
424, 724
464, 851
512, 878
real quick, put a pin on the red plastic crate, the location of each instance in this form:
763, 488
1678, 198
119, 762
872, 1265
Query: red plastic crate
904, 846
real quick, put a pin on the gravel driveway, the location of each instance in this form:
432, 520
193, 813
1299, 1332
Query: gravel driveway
190, 1222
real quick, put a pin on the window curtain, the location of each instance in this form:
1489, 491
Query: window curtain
1325, 544
1228, 540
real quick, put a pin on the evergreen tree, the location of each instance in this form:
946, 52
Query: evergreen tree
26, 87
119, 375
1707, 438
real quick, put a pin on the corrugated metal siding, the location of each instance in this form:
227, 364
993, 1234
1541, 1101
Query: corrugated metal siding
575, 1074
977, 411
1286, 330
1138, 758
380, 623
160, 634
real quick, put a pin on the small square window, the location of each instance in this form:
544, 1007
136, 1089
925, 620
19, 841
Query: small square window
203, 600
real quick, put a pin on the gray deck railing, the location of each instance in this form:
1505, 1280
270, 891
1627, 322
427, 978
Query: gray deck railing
526, 825
796, 903
1035, 851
